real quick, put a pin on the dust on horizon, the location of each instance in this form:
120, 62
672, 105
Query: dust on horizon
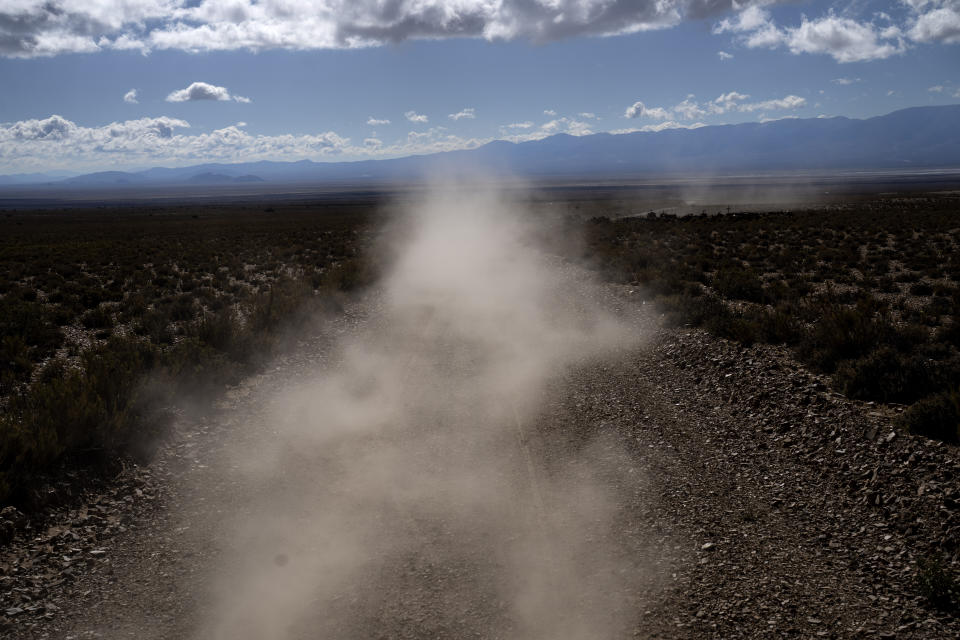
397, 492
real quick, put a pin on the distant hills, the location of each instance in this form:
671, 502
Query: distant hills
914, 138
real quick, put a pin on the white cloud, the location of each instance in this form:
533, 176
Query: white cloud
31, 28
570, 126
468, 113
549, 112
788, 102
750, 19
724, 55
670, 124
845, 81
203, 91
727, 101
845, 39
640, 110
940, 24
660, 126
936, 89
588, 115
56, 141
376, 122
130, 97
956, 94
413, 116
690, 109
519, 125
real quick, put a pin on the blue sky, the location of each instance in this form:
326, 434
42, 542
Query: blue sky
107, 84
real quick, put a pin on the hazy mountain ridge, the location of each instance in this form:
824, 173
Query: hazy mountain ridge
917, 137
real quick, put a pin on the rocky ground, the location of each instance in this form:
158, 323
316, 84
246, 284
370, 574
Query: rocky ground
751, 501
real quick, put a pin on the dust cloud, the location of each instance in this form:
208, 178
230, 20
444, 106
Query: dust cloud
400, 491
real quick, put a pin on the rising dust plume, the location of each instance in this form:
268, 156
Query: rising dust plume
399, 492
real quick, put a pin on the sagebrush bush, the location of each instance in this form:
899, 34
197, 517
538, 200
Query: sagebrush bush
936, 416
94, 411
841, 333
99, 318
886, 375
738, 283
937, 585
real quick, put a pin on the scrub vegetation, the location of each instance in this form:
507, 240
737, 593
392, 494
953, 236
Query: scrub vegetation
866, 293
106, 314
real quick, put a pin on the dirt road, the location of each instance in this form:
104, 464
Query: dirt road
684, 488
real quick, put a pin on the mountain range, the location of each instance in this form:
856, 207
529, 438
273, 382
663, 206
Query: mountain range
909, 139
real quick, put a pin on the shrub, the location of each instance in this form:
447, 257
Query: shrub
156, 326
32, 323
779, 326
738, 283
15, 364
885, 376
841, 333
280, 303
733, 326
98, 318
94, 412
921, 289
936, 416
937, 585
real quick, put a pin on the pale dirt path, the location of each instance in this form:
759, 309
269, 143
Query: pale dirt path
734, 517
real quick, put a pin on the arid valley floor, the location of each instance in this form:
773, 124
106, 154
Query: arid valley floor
563, 419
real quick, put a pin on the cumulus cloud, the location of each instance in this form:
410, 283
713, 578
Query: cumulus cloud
203, 91
569, 126
31, 28
788, 102
468, 113
728, 101
660, 126
519, 125
413, 116
936, 89
845, 81
56, 142
723, 55
691, 109
549, 112
640, 110
846, 38
130, 97
376, 122
565, 125
940, 23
